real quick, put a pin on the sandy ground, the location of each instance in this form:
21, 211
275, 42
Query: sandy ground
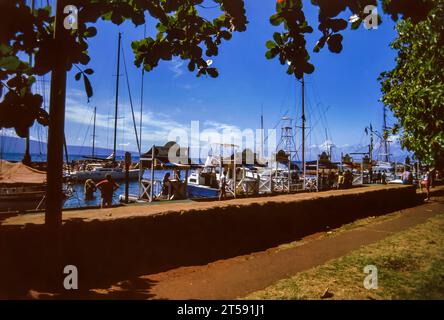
138, 210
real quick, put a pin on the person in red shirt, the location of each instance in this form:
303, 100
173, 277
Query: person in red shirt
107, 188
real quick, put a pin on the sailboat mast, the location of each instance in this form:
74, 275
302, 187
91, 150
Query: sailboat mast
141, 97
303, 127
384, 131
371, 144
117, 98
94, 133
262, 132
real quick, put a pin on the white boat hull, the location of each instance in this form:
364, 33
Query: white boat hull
98, 175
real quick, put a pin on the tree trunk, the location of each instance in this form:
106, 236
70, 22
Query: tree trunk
54, 195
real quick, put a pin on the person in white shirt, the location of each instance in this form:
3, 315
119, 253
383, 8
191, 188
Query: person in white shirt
222, 186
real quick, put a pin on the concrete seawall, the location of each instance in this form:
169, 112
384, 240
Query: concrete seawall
107, 250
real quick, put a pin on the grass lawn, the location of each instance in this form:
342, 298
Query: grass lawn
410, 266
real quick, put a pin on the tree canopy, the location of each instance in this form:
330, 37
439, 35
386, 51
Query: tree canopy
414, 89
181, 31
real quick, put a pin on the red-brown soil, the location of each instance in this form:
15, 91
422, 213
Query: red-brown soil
118, 247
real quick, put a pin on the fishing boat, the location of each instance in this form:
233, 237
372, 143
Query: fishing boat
203, 183
244, 180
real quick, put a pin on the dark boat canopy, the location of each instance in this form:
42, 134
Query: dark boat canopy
169, 156
249, 158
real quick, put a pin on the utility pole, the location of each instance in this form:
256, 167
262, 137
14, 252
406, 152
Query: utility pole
117, 98
54, 195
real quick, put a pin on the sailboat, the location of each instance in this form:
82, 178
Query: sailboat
383, 163
103, 167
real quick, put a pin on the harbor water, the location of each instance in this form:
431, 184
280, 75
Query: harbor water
77, 197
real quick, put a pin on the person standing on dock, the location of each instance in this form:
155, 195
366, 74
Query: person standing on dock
222, 186
167, 186
340, 183
427, 182
407, 177
107, 188
383, 178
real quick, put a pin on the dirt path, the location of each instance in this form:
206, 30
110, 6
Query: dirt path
237, 277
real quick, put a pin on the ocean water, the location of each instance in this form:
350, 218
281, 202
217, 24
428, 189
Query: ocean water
77, 199
40, 157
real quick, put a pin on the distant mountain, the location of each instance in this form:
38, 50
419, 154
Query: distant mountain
396, 151
17, 145
13, 145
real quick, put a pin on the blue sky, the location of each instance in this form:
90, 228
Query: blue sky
342, 94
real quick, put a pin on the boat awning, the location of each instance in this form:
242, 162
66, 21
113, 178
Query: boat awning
18, 173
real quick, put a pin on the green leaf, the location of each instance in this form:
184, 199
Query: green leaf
270, 44
161, 27
278, 38
335, 43
90, 32
271, 54
10, 63
355, 25
276, 19
88, 87
213, 72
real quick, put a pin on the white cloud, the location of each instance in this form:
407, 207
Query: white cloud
326, 145
186, 86
9, 133
155, 128
219, 126
176, 67
393, 138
